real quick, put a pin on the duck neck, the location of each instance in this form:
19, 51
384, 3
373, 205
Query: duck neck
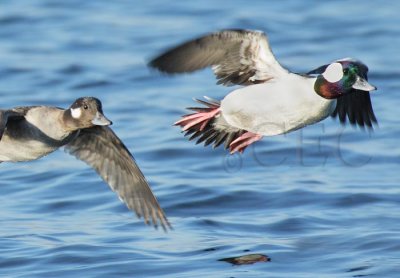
326, 89
70, 124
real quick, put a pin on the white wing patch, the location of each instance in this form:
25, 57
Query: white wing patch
76, 113
333, 73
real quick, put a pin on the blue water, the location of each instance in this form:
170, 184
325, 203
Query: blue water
320, 202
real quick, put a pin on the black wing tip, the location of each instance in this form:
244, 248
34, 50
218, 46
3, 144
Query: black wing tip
153, 64
172, 60
366, 125
159, 65
162, 62
164, 65
356, 109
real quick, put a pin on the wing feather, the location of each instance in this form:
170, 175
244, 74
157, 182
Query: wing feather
241, 57
104, 151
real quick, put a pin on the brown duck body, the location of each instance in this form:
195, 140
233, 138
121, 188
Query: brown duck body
36, 132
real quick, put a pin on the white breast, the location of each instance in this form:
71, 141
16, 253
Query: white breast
276, 107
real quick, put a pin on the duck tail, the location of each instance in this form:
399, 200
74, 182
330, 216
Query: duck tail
203, 126
199, 120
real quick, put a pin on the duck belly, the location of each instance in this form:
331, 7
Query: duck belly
276, 107
26, 150
22, 141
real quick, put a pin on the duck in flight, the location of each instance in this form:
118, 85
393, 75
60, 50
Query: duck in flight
272, 100
31, 132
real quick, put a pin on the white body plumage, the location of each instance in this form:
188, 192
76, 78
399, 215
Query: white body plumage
279, 106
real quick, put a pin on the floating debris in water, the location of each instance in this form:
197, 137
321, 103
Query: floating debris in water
247, 259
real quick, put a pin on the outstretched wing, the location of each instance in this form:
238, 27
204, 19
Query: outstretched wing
104, 151
355, 106
237, 57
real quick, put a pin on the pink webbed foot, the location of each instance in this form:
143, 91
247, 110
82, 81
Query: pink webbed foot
241, 143
200, 118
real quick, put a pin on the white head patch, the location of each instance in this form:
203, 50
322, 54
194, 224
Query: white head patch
333, 73
76, 113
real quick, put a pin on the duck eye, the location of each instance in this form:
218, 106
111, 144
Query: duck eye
85, 107
345, 71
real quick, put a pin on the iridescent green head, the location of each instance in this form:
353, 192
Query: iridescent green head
341, 77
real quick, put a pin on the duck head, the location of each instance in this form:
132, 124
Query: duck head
341, 77
85, 112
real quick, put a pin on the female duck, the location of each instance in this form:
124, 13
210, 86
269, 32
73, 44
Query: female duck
29, 133
274, 101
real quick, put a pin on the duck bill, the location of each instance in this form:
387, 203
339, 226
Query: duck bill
363, 85
100, 119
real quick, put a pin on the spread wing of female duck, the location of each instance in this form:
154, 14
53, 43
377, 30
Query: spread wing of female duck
272, 100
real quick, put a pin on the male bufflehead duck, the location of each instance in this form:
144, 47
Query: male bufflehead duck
29, 133
273, 100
